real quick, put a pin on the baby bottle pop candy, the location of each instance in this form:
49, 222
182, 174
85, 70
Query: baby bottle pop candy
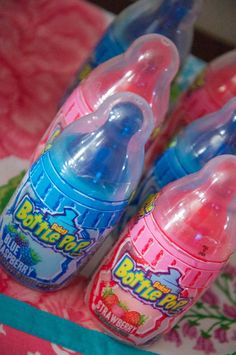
74, 193
213, 88
202, 140
169, 255
171, 18
146, 69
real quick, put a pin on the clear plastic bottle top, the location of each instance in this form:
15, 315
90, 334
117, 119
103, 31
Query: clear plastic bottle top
211, 135
220, 78
171, 18
105, 162
146, 69
198, 212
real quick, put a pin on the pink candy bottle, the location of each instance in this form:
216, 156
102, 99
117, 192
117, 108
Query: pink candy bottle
168, 256
146, 68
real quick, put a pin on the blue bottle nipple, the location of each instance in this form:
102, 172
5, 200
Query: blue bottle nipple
171, 18
212, 135
102, 163
199, 142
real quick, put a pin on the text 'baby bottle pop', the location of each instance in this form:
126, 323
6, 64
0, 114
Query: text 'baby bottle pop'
171, 18
212, 89
75, 193
146, 69
200, 141
169, 255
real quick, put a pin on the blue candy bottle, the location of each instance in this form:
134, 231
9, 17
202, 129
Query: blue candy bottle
74, 194
193, 147
171, 18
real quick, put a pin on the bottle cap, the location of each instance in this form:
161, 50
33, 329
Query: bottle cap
205, 138
147, 69
197, 213
195, 145
171, 18
97, 155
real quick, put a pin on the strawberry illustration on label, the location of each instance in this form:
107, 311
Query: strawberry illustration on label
109, 298
134, 318
116, 313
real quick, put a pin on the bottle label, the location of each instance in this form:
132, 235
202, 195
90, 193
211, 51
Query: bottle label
137, 297
43, 248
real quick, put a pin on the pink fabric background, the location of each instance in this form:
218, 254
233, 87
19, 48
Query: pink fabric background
42, 44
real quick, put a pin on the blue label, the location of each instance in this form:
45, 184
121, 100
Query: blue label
43, 248
147, 188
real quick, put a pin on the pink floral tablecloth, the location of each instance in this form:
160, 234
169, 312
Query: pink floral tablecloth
42, 44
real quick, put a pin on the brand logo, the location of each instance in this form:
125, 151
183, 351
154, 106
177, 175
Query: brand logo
148, 205
50, 229
56, 132
160, 290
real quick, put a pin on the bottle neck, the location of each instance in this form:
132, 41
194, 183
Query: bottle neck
46, 164
153, 247
168, 168
159, 241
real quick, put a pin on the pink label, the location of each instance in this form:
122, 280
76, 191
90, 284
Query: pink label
142, 290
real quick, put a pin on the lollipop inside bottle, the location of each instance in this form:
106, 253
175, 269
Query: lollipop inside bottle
212, 89
169, 256
146, 69
74, 194
192, 148
171, 18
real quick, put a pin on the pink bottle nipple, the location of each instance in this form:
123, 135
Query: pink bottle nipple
221, 78
198, 212
146, 68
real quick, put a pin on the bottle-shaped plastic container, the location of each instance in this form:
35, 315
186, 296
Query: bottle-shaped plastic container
193, 147
75, 193
171, 18
146, 69
213, 88
169, 256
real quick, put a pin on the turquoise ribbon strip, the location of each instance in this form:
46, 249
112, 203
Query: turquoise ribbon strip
22, 316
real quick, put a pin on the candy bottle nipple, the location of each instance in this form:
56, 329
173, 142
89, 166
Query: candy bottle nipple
212, 135
171, 18
197, 212
147, 69
103, 163
221, 78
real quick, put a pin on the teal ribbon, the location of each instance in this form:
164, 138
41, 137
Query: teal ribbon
24, 317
